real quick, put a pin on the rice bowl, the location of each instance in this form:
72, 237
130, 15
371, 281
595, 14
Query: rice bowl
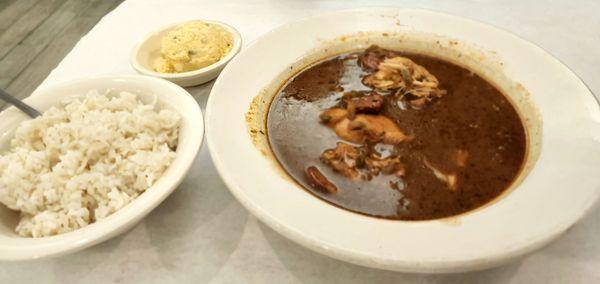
84, 160
165, 95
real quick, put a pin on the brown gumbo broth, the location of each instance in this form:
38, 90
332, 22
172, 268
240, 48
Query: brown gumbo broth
460, 143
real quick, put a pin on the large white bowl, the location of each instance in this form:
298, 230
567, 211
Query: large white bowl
558, 187
170, 96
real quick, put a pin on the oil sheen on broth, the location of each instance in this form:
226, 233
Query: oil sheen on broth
461, 144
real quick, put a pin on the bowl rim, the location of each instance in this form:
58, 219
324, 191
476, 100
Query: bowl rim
236, 47
355, 256
137, 209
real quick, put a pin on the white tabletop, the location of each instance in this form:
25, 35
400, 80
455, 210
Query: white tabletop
202, 234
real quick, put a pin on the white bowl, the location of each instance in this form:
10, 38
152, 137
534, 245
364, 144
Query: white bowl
148, 50
170, 96
558, 187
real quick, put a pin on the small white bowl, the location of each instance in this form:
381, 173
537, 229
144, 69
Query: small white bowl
169, 96
149, 49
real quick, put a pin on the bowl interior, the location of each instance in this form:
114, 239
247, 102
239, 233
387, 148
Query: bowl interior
167, 96
149, 49
483, 63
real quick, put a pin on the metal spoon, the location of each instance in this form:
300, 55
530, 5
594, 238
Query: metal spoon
33, 113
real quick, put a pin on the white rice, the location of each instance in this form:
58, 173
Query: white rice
84, 160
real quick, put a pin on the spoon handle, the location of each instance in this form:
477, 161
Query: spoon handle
33, 113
